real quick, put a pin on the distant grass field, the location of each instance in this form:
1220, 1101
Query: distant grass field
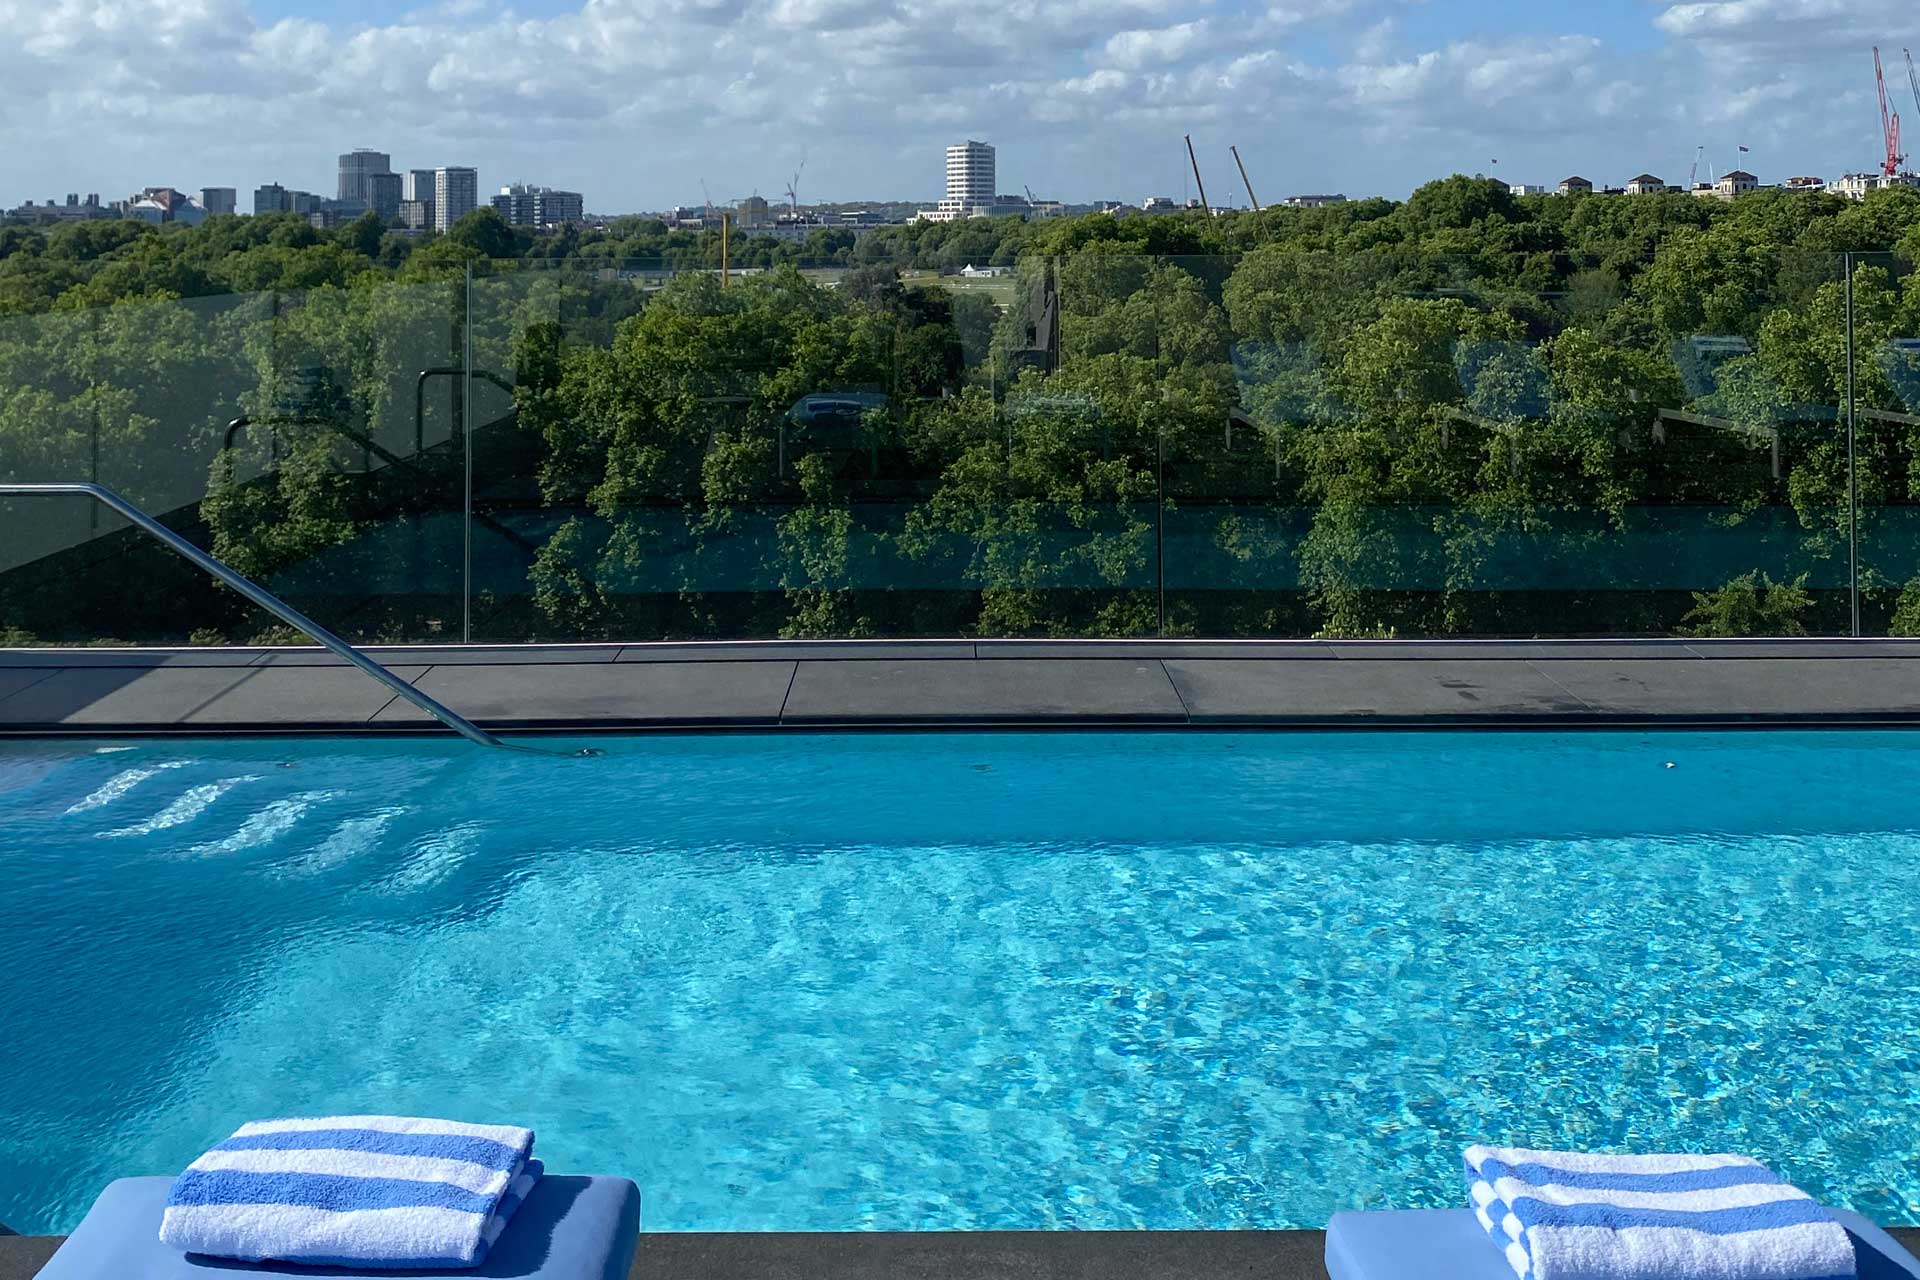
1002, 289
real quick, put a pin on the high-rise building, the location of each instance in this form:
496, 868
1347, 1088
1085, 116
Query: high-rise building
970, 176
456, 193
274, 198
553, 208
328, 214
524, 205
357, 168
754, 212
383, 194
970, 182
418, 185
416, 215
217, 200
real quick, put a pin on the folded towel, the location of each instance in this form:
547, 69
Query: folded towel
1566, 1216
353, 1191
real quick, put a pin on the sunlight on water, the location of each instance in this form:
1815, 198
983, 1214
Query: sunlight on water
972, 981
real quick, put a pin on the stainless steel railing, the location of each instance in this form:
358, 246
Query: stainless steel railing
265, 599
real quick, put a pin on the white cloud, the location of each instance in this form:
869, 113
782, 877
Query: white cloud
636, 101
1787, 24
1145, 48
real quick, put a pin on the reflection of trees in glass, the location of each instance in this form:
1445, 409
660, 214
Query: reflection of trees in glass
1467, 413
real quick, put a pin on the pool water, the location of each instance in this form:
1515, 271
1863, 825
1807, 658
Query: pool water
836, 982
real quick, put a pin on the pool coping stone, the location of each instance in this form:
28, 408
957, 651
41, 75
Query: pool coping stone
943, 1255
958, 683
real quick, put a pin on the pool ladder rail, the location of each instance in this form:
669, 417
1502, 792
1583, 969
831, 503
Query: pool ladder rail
278, 608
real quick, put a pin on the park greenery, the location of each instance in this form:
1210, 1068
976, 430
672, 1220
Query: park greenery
1466, 413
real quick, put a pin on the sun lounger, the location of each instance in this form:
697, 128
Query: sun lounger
1450, 1244
568, 1229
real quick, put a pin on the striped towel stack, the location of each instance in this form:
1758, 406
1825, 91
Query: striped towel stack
353, 1191
1566, 1216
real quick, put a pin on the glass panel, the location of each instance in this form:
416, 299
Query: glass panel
1750, 466
1886, 348
344, 495
799, 451
275, 429
966, 345
628, 475
1257, 404
516, 312
1289, 441
1085, 441
49, 432
1509, 445
136, 397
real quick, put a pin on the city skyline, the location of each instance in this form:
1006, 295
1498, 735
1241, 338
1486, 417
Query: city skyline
1085, 101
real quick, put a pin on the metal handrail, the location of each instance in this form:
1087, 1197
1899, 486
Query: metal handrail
420, 396
265, 599
367, 443
375, 449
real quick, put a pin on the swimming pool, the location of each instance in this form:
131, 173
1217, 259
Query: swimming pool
972, 981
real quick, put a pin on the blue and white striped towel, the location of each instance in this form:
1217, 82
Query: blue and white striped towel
353, 1191
1565, 1216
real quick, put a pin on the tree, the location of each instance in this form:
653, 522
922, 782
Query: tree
485, 233
1753, 604
1463, 413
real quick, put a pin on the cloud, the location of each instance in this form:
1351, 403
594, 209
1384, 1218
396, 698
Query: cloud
1786, 24
1144, 48
635, 102
1503, 88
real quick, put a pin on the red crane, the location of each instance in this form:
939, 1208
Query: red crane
1889, 122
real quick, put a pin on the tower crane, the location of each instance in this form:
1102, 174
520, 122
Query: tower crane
1197, 181
1889, 122
793, 187
1252, 198
1913, 78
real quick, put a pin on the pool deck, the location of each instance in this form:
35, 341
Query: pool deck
950, 1255
985, 1255
963, 683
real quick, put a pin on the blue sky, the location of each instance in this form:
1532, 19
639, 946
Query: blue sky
636, 102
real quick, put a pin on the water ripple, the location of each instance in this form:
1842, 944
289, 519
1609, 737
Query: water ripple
187, 806
118, 785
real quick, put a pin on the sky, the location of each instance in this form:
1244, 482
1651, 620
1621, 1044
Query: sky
638, 103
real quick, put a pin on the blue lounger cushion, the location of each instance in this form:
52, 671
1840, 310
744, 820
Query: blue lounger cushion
568, 1229
1450, 1244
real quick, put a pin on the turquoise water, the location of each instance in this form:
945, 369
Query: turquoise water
973, 981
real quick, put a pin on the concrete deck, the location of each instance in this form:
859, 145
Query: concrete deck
871, 684
984, 1255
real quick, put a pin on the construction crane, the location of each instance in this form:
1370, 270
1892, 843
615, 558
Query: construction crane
1195, 161
793, 187
1913, 78
708, 197
1243, 178
1889, 122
